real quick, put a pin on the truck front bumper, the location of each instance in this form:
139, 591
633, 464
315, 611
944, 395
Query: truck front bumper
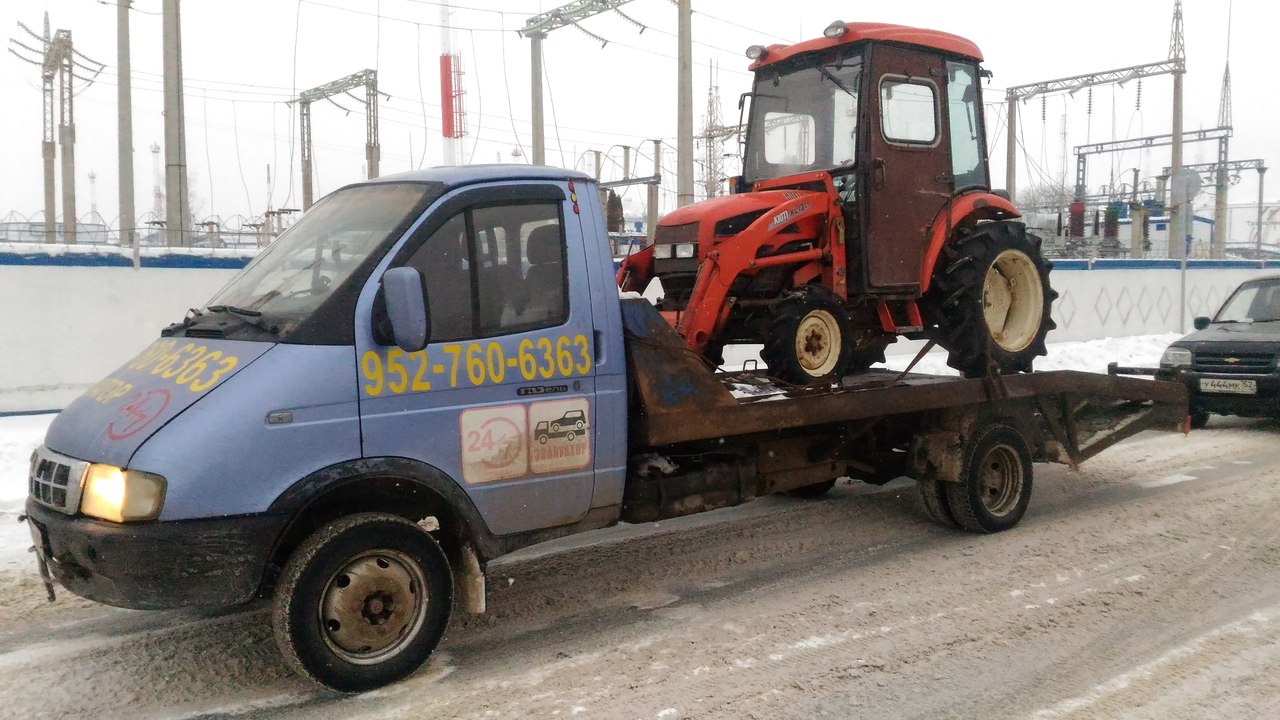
150, 566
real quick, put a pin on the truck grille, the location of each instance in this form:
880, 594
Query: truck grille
1233, 363
54, 480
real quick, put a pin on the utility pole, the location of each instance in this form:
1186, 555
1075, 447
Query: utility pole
124, 134
651, 212
177, 214
1178, 54
536, 29
684, 105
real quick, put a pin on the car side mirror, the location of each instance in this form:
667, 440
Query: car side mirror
407, 307
1200, 323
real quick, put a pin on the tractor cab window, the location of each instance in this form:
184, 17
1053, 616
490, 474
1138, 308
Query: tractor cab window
967, 151
804, 116
908, 110
495, 270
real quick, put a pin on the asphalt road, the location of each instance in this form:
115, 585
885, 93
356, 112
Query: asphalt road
1145, 585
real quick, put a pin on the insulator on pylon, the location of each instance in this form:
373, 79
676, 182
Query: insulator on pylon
1043, 112
1090, 108
1138, 105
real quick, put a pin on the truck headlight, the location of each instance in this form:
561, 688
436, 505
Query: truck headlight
686, 250
662, 251
121, 495
1176, 357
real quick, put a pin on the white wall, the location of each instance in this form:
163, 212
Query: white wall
63, 328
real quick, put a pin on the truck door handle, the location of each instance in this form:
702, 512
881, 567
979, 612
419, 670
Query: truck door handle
598, 350
877, 172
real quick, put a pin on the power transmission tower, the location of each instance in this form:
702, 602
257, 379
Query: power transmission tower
57, 58
536, 29
369, 80
712, 138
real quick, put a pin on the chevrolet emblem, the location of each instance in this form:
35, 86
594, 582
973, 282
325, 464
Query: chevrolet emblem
1231, 360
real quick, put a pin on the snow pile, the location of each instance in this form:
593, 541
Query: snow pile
1086, 355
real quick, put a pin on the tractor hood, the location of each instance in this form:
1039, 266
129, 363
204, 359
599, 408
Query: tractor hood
732, 214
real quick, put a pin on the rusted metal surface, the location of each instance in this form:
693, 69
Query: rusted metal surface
671, 380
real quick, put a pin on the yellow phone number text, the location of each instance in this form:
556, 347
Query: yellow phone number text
192, 366
474, 364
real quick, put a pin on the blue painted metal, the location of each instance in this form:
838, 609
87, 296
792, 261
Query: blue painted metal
111, 259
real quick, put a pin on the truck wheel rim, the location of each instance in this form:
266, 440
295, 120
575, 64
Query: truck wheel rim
1000, 480
818, 343
1013, 300
373, 606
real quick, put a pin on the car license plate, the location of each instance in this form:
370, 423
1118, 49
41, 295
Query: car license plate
1229, 386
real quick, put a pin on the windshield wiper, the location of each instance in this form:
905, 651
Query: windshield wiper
838, 82
250, 317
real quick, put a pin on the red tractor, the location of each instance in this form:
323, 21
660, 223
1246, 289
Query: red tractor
864, 212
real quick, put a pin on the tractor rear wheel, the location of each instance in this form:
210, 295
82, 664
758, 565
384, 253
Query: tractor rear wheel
810, 340
991, 300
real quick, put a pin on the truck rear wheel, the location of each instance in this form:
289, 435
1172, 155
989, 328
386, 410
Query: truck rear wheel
994, 486
362, 602
810, 339
933, 498
991, 295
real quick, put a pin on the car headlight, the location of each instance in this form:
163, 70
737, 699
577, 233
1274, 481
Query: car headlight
662, 251
1176, 357
686, 250
121, 495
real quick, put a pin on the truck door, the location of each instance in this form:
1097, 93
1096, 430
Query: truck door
909, 173
503, 398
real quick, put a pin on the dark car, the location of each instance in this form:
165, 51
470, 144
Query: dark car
1229, 362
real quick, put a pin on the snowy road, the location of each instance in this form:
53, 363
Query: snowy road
1145, 585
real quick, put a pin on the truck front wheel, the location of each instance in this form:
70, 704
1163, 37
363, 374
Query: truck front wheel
362, 602
991, 298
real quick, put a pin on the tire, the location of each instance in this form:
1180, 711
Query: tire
810, 338
570, 437
578, 425
1199, 420
329, 633
812, 492
994, 486
542, 439
555, 427
933, 498
990, 300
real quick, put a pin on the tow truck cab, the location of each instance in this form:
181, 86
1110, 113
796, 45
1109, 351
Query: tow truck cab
188, 475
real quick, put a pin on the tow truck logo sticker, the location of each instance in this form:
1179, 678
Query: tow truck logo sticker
559, 437
137, 412
493, 444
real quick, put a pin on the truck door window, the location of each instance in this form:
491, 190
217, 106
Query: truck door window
495, 270
966, 128
908, 111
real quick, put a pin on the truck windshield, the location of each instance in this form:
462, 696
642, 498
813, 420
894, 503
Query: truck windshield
294, 277
1252, 302
804, 116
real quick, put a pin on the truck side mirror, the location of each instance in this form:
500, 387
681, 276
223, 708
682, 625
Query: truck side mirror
1200, 323
407, 307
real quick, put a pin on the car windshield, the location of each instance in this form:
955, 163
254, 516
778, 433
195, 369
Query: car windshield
804, 116
1254, 301
296, 274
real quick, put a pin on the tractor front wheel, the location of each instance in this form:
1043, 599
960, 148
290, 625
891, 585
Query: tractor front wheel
991, 300
810, 340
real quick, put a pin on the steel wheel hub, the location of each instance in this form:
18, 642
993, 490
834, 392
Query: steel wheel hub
1013, 301
1000, 480
373, 606
818, 343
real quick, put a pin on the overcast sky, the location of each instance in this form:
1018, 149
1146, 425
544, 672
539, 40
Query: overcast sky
243, 59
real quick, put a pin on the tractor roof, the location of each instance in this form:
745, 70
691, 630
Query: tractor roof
884, 32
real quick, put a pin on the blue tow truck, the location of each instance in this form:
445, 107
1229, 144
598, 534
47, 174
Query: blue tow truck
380, 404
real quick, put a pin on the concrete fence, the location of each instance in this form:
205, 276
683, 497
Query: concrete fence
68, 319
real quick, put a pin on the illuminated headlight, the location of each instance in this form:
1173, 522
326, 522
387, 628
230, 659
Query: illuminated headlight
836, 29
1176, 357
662, 252
121, 495
686, 250
756, 52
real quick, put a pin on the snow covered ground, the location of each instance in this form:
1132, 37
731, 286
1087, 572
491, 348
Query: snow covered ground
20, 434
